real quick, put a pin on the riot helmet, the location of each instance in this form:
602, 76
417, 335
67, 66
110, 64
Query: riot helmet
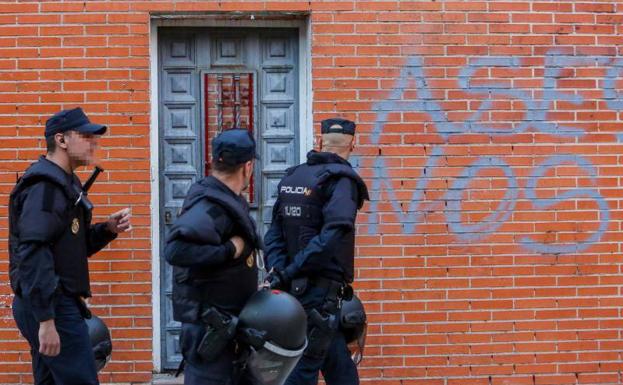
354, 325
100, 341
274, 325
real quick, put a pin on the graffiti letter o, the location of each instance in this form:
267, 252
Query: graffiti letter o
471, 232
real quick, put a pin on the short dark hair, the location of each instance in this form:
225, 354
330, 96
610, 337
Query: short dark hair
50, 143
226, 168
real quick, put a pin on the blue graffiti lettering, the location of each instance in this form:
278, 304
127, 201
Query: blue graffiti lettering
496, 218
543, 203
535, 117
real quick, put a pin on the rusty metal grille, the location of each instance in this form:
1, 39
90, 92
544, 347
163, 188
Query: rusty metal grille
228, 104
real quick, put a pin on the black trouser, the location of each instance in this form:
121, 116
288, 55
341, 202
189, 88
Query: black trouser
333, 360
197, 371
75, 365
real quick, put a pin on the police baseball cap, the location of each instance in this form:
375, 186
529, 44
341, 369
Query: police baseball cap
338, 126
234, 146
75, 120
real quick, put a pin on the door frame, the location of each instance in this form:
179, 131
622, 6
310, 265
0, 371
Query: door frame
306, 133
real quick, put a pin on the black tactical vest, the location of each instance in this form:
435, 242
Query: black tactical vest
69, 246
301, 199
227, 286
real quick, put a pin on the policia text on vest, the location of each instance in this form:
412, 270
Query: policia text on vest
50, 238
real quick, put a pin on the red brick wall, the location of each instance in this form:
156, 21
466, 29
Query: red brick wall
489, 137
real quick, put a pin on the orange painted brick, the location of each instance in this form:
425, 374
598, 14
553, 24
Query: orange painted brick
84, 41
294, 6
38, 19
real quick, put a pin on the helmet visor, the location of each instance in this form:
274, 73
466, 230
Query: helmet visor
271, 365
357, 346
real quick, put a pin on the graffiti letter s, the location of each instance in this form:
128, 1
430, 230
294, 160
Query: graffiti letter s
545, 203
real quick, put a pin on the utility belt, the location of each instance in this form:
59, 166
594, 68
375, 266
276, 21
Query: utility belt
336, 290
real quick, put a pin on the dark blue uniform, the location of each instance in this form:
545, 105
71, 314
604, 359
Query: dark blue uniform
50, 238
205, 274
310, 246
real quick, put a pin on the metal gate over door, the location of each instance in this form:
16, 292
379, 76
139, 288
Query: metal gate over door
212, 79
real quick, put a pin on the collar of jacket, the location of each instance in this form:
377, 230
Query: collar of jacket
318, 157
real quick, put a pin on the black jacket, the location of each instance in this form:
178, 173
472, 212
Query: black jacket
50, 237
199, 248
313, 225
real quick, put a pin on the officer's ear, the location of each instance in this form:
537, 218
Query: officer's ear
60, 140
248, 168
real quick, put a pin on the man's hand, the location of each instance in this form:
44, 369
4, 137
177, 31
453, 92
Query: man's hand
49, 341
276, 280
119, 222
238, 244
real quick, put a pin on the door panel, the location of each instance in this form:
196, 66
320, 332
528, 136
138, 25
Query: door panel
278, 104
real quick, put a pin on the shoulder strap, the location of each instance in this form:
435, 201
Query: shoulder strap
232, 207
335, 170
24, 183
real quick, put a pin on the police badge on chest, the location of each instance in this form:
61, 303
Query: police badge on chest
75, 226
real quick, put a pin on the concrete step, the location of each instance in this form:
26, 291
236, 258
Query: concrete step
167, 379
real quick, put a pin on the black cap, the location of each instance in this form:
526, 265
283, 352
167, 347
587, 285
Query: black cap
338, 126
234, 146
75, 120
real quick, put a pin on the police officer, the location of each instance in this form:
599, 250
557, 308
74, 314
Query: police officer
310, 249
50, 238
212, 247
